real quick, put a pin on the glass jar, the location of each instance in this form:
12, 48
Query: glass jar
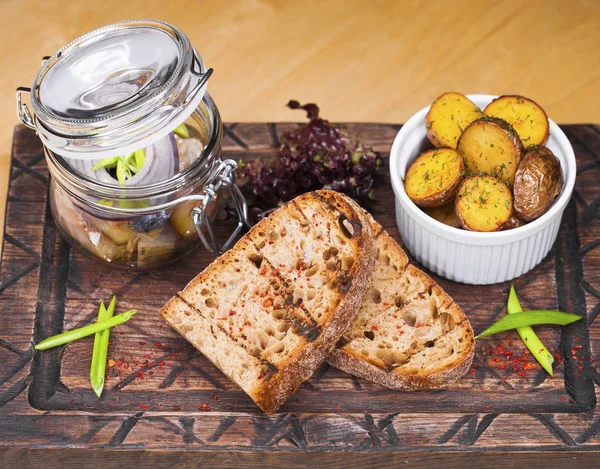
133, 145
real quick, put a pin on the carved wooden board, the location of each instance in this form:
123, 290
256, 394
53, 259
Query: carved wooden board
162, 394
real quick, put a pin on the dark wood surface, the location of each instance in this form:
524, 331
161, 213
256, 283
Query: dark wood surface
155, 391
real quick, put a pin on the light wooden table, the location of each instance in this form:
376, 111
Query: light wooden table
359, 60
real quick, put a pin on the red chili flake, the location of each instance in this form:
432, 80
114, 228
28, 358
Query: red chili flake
146, 355
506, 337
563, 398
502, 367
141, 342
176, 408
261, 375
487, 406
157, 344
271, 242
126, 366
204, 407
580, 367
70, 401
374, 328
473, 372
140, 374
247, 323
177, 374
215, 398
232, 313
300, 401
268, 303
508, 353
244, 336
143, 407
578, 347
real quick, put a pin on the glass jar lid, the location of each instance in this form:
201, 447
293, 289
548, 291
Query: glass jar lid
117, 89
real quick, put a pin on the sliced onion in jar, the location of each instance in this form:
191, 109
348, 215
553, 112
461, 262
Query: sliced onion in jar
162, 162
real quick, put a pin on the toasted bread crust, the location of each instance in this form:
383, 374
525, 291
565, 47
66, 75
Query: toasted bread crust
307, 359
271, 392
434, 375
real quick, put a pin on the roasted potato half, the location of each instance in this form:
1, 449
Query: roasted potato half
448, 116
483, 203
526, 116
434, 177
491, 146
537, 183
444, 214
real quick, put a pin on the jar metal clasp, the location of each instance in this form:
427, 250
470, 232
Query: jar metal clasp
222, 180
22, 109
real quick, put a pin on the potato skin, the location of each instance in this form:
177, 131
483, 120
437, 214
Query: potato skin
537, 183
513, 222
505, 168
526, 116
473, 202
448, 116
447, 190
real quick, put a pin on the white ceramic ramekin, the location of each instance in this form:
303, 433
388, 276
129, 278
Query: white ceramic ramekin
466, 256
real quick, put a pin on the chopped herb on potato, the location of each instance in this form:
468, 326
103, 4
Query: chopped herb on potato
483, 203
491, 146
448, 116
526, 116
434, 177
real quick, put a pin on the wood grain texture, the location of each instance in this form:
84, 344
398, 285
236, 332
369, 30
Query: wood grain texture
155, 392
74, 458
360, 60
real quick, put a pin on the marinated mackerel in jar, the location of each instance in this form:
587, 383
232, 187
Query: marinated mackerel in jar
141, 241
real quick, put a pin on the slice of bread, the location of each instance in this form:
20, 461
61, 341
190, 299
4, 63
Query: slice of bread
409, 334
269, 311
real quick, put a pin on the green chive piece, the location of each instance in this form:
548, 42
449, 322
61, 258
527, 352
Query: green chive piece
529, 338
121, 176
139, 158
100, 353
105, 163
182, 131
97, 385
106, 203
530, 318
80, 333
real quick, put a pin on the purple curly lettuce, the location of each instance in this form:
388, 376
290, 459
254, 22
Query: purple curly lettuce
316, 155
